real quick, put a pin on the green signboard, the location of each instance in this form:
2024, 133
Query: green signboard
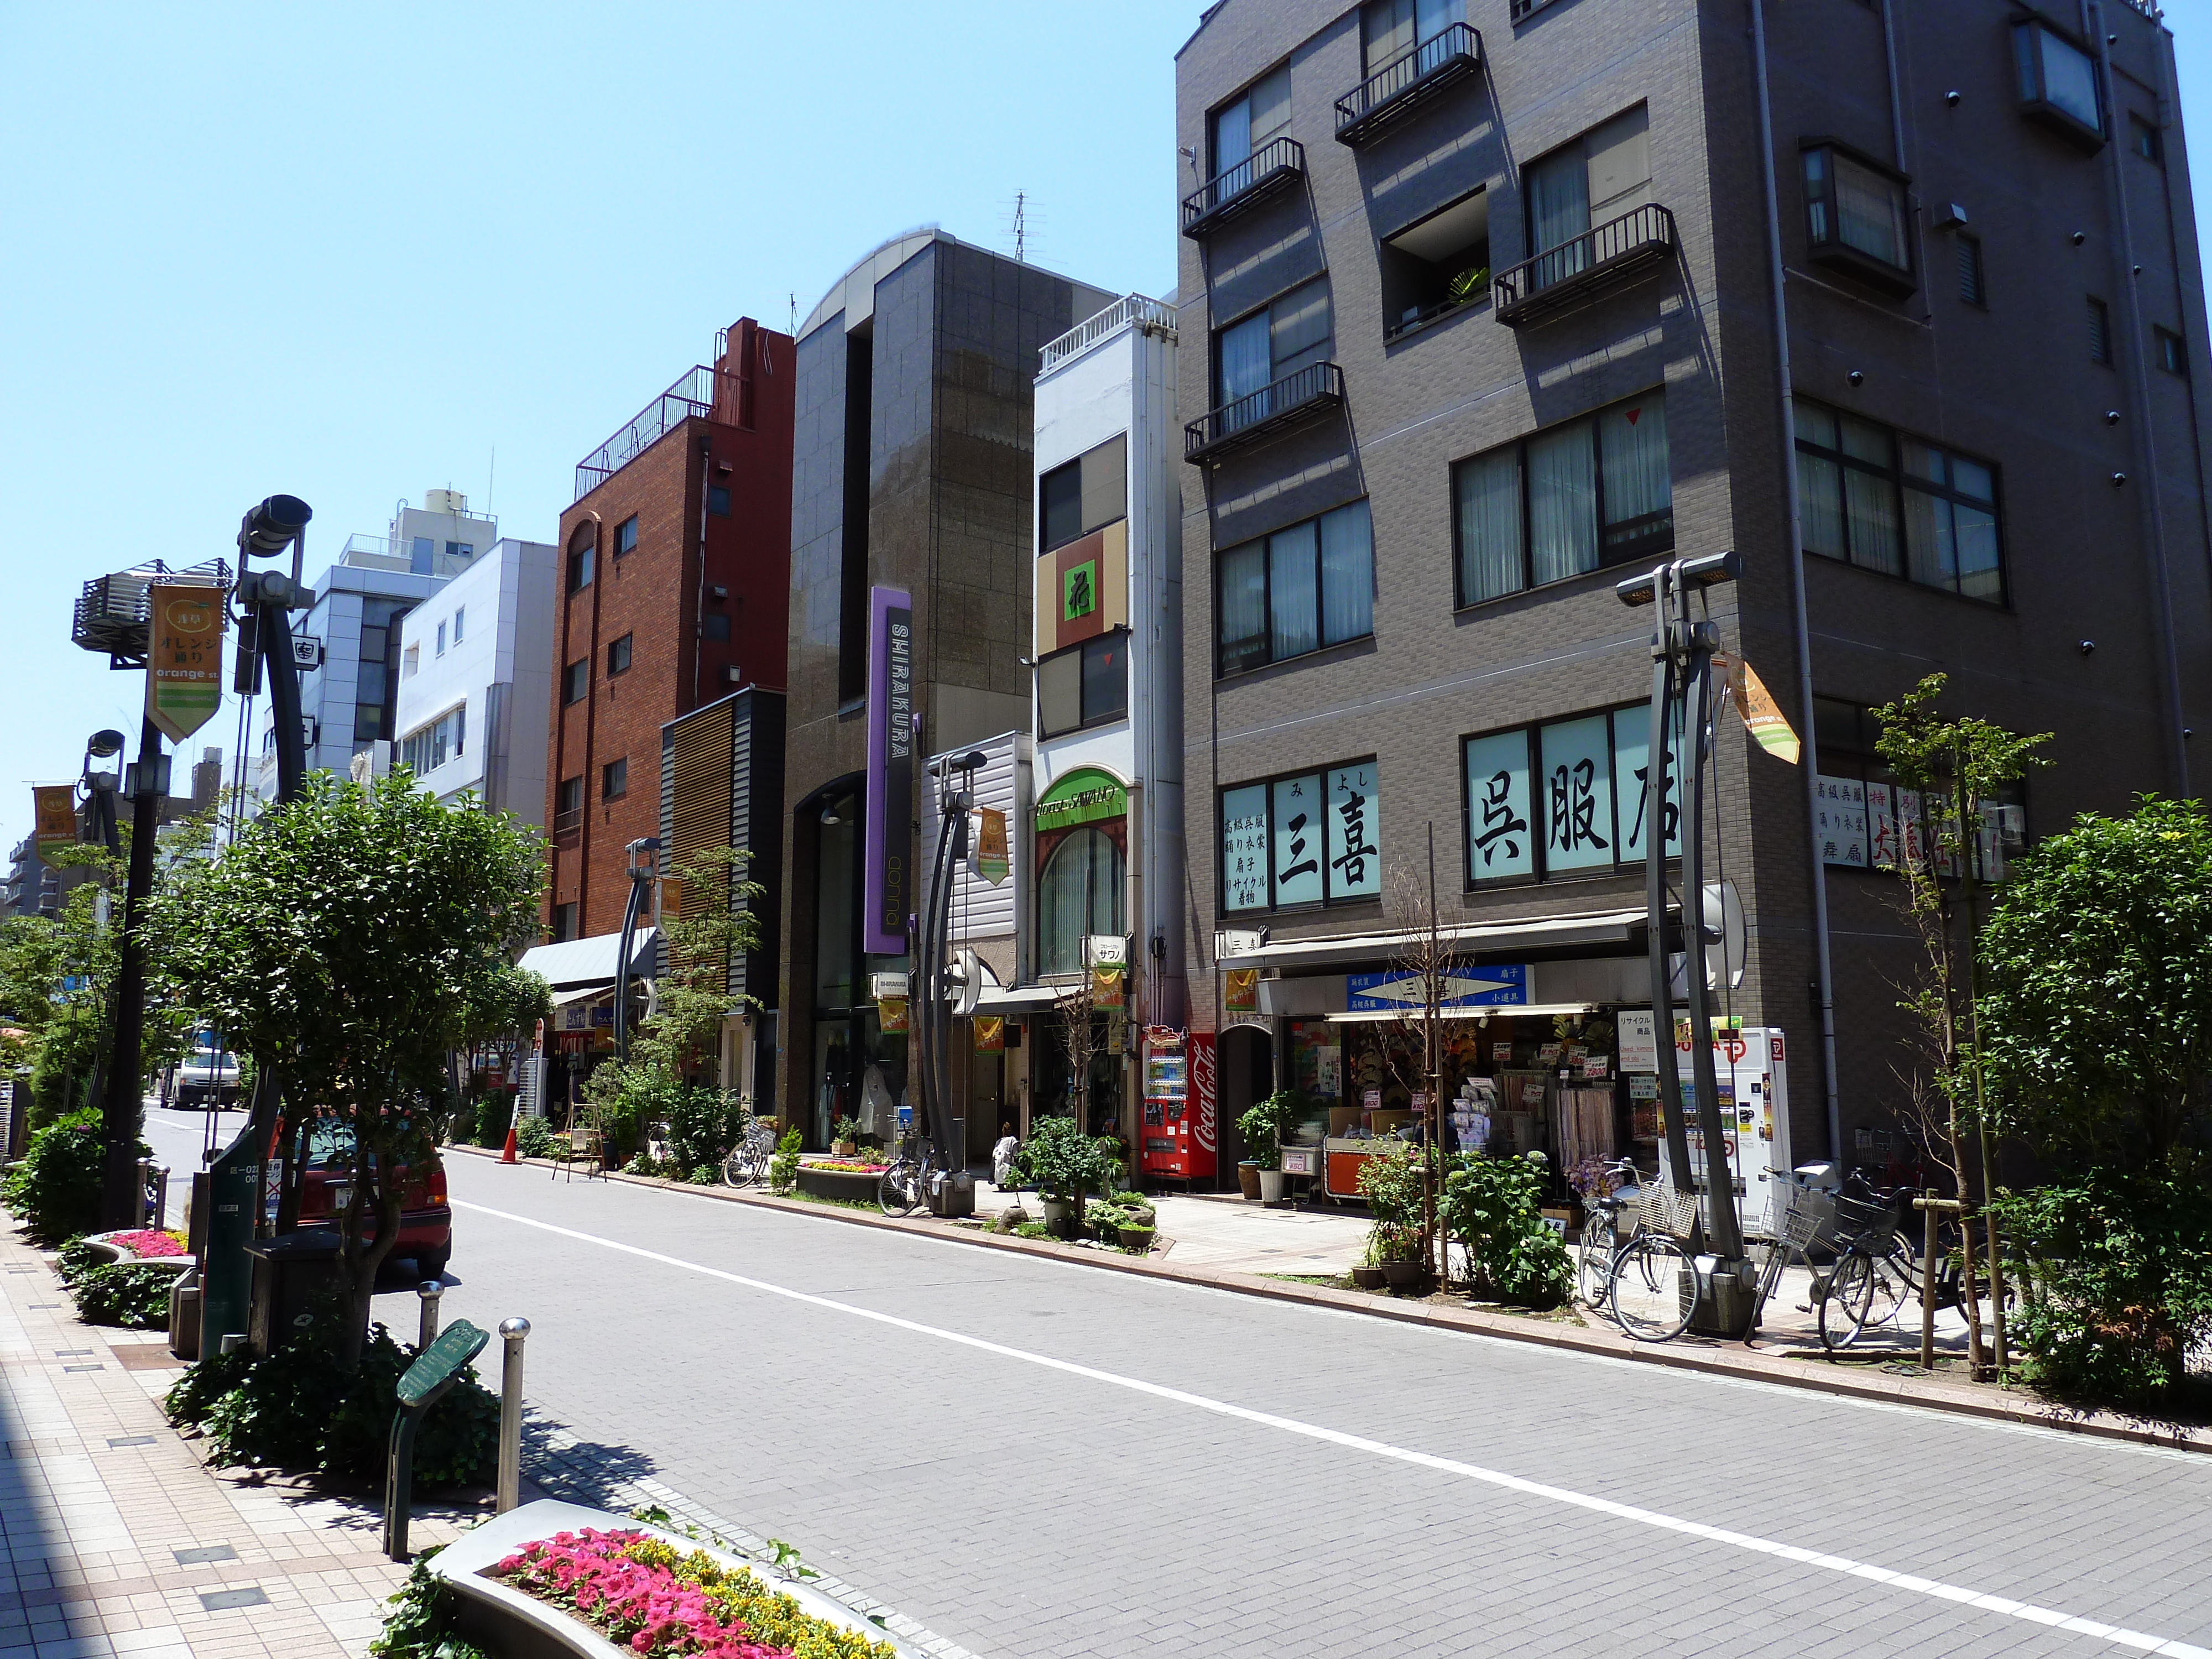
1088, 794
437, 1365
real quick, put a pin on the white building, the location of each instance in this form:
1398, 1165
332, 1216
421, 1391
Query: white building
476, 681
351, 702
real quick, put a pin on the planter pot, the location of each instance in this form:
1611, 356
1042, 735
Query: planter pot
1367, 1279
1138, 1238
846, 1149
1270, 1186
1248, 1177
839, 1183
1406, 1275
1061, 1215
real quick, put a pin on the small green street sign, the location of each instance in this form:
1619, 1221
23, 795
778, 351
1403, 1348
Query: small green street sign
437, 1365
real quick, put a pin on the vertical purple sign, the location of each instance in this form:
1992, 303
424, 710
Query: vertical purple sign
887, 881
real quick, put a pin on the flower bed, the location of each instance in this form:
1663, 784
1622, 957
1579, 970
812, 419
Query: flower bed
855, 1166
828, 1181
654, 1599
146, 1243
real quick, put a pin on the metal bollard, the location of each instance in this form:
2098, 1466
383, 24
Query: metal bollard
429, 1290
516, 1332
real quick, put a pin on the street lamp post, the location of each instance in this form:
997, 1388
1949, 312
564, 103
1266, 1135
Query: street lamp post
936, 995
120, 1198
644, 866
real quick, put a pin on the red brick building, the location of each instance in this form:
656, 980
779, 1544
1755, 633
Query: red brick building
676, 573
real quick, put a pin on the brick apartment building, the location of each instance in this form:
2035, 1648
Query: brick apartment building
675, 569
1479, 305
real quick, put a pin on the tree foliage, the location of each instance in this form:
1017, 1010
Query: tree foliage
683, 1034
347, 942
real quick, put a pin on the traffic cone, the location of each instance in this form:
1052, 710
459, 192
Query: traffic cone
507, 1155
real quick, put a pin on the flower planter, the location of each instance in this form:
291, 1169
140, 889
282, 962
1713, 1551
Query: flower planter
505, 1621
1248, 1177
1367, 1279
1061, 1215
114, 1247
1406, 1275
1138, 1238
850, 1184
1270, 1186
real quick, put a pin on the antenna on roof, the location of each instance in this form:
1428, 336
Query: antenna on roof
793, 330
1019, 222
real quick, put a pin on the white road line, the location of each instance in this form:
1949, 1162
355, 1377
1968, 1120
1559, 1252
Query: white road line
2136, 1640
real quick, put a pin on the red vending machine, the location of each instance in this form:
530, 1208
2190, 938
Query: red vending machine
1173, 1145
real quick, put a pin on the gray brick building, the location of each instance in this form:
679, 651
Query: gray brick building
1478, 310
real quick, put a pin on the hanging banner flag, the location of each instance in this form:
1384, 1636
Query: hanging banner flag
891, 1014
1240, 990
991, 865
1106, 986
1761, 715
54, 808
990, 1034
183, 657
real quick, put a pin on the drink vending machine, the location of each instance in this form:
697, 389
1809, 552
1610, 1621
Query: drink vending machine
1172, 1142
1752, 1069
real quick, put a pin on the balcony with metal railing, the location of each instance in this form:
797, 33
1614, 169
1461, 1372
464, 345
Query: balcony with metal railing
1581, 268
1303, 396
1405, 85
694, 393
1130, 310
1238, 190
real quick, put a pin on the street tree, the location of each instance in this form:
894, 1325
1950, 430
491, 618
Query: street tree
348, 942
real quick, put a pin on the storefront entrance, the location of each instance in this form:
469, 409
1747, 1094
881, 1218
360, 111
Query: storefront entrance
1246, 1060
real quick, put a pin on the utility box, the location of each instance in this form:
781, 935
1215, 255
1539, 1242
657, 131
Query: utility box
290, 1273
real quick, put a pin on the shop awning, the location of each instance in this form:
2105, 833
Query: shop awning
1504, 1009
1617, 930
584, 993
997, 999
589, 961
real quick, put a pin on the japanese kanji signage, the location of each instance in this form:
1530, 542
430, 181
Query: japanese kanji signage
184, 659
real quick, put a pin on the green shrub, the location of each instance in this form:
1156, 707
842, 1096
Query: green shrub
1061, 1162
132, 1294
493, 1113
420, 1625
783, 1168
461, 1126
300, 1409
1493, 1205
1264, 1124
532, 1139
2115, 1271
55, 1190
1392, 1184
704, 1124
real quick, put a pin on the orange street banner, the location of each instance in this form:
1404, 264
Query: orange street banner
1240, 992
991, 862
184, 659
990, 1034
1106, 986
1761, 715
54, 807
891, 1014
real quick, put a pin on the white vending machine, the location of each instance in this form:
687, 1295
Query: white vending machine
1750, 1066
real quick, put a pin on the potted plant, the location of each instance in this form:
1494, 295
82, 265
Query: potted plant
1062, 1164
1248, 1177
1368, 1275
1263, 1124
845, 1138
1392, 1184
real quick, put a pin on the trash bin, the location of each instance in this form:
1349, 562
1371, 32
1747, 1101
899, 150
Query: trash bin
289, 1274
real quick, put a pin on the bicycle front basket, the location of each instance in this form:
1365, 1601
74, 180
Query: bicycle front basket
1668, 1209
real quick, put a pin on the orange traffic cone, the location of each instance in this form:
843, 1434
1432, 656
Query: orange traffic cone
507, 1155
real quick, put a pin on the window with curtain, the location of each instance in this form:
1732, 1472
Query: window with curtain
2058, 81
1291, 333
1080, 893
1592, 181
1303, 838
1305, 587
1389, 29
1893, 503
1856, 217
1591, 492
1246, 123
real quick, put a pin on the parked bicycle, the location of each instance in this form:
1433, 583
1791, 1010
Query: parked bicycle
1652, 1290
748, 1161
1878, 1272
906, 1181
1610, 1220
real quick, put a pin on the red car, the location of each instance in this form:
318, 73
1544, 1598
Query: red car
426, 1220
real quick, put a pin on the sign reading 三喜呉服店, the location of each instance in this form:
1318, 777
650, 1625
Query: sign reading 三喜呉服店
888, 888
1500, 986
183, 657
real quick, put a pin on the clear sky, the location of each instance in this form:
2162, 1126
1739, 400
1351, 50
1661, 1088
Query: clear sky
346, 253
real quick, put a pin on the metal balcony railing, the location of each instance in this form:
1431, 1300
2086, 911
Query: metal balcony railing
1129, 308
1311, 391
1399, 88
1584, 266
1238, 190
692, 394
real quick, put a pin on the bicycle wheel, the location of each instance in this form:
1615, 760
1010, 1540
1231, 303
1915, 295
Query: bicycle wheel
1850, 1295
899, 1192
1596, 1270
1653, 1289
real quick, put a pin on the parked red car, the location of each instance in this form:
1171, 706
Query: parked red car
426, 1220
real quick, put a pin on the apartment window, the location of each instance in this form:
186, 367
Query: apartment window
1865, 816
568, 796
1290, 333
441, 641
626, 536
411, 661
460, 552
1855, 217
717, 500
1305, 838
1389, 29
1086, 494
614, 780
430, 746
580, 557
1242, 126
1299, 589
2173, 357
564, 923
2100, 331
1603, 174
575, 680
715, 625
1086, 684
618, 656
460, 621
1569, 499
2145, 140
1437, 263
1886, 501
1971, 287
2058, 83
1563, 799
1080, 892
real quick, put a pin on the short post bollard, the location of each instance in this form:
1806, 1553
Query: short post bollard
427, 1333
435, 1370
516, 1332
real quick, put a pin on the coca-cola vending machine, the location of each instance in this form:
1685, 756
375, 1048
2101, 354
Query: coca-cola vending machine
1177, 1140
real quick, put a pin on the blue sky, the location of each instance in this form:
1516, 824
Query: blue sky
348, 252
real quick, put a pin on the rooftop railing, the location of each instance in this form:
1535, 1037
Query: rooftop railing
1400, 86
1130, 308
692, 394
